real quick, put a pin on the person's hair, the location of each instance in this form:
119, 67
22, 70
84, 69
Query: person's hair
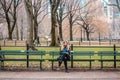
65, 42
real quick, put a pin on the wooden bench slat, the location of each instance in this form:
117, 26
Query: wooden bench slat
105, 53
83, 60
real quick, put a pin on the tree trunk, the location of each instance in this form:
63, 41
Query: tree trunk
87, 35
28, 6
9, 27
10, 35
35, 28
30, 30
53, 31
60, 31
17, 33
21, 31
54, 35
71, 34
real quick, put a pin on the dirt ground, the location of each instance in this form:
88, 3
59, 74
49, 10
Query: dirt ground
60, 75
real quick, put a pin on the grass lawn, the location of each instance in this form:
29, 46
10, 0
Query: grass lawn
46, 63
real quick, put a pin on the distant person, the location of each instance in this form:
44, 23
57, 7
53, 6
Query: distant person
58, 40
64, 55
37, 42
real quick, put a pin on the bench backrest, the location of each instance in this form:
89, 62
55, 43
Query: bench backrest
117, 53
109, 54
22, 52
106, 53
75, 53
83, 53
54, 53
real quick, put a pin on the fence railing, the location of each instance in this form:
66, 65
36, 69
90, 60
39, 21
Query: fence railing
12, 43
45, 43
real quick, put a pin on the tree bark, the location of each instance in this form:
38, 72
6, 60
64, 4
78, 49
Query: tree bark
28, 7
71, 26
9, 27
54, 6
60, 31
35, 28
17, 32
87, 35
53, 31
71, 34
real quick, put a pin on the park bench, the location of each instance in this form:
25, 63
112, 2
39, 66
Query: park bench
83, 56
108, 56
76, 56
15, 55
54, 54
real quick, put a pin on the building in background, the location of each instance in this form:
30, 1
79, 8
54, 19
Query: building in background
113, 17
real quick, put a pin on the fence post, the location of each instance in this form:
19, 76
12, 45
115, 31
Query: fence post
0, 48
15, 42
27, 48
99, 39
72, 56
89, 42
4, 42
110, 42
114, 56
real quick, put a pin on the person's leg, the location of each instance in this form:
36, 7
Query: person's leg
59, 62
60, 59
65, 63
68, 56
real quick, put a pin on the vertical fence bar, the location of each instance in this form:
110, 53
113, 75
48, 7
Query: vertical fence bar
27, 48
0, 57
2, 61
72, 56
99, 39
114, 56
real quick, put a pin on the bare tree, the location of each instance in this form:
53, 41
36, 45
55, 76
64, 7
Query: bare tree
9, 8
29, 11
54, 4
2, 17
72, 7
87, 26
34, 8
61, 15
86, 18
116, 4
39, 6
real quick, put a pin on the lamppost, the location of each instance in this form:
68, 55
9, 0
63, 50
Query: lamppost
99, 39
47, 37
21, 30
80, 35
110, 37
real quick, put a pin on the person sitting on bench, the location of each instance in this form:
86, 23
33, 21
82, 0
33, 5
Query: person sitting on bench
64, 54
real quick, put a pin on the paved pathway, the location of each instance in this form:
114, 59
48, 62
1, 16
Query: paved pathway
88, 75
